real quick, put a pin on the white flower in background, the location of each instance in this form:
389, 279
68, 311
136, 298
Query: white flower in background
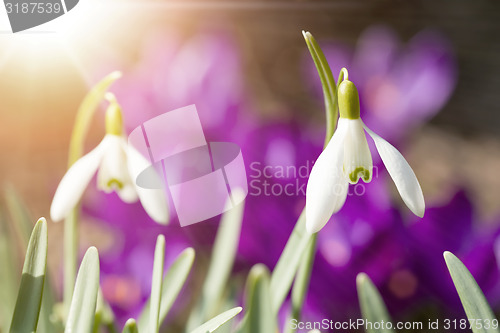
347, 158
117, 165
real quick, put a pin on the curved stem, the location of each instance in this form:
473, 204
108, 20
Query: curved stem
302, 278
327, 82
82, 123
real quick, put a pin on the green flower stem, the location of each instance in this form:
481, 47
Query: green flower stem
327, 82
70, 258
82, 123
303, 275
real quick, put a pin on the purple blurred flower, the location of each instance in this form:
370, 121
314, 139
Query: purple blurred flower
170, 73
367, 235
399, 86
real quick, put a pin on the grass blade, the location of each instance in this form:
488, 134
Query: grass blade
130, 327
8, 280
172, 284
221, 265
302, 279
475, 304
83, 303
373, 308
258, 304
22, 226
29, 299
156, 286
288, 263
213, 324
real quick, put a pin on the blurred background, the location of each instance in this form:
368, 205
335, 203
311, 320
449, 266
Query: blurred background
428, 77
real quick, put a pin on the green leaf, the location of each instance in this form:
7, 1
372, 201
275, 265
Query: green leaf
130, 327
302, 279
213, 324
84, 115
45, 324
288, 263
84, 300
156, 286
22, 226
373, 308
475, 304
172, 284
104, 316
261, 317
8, 282
221, 265
29, 298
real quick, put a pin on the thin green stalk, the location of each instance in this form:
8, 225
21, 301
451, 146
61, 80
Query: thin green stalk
82, 123
303, 276
70, 258
327, 83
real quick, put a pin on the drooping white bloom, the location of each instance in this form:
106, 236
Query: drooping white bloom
347, 158
117, 165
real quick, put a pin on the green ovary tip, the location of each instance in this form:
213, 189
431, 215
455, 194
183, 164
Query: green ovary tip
358, 173
114, 183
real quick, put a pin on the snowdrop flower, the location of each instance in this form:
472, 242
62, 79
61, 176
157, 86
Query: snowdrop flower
347, 158
117, 165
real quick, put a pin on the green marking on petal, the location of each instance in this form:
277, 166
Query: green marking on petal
358, 173
114, 183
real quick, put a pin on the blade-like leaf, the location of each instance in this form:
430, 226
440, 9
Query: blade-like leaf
213, 324
221, 265
84, 300
172, 284
373, 308
9, 283
288, 263
475, 304
302, 279
29, 299
156, 286
261, 317
130, 327
22, 225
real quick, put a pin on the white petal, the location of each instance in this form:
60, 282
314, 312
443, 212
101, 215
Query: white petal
327, 187
128, 193
357, 157
75, 181
401, 173
113, 172
153, 201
